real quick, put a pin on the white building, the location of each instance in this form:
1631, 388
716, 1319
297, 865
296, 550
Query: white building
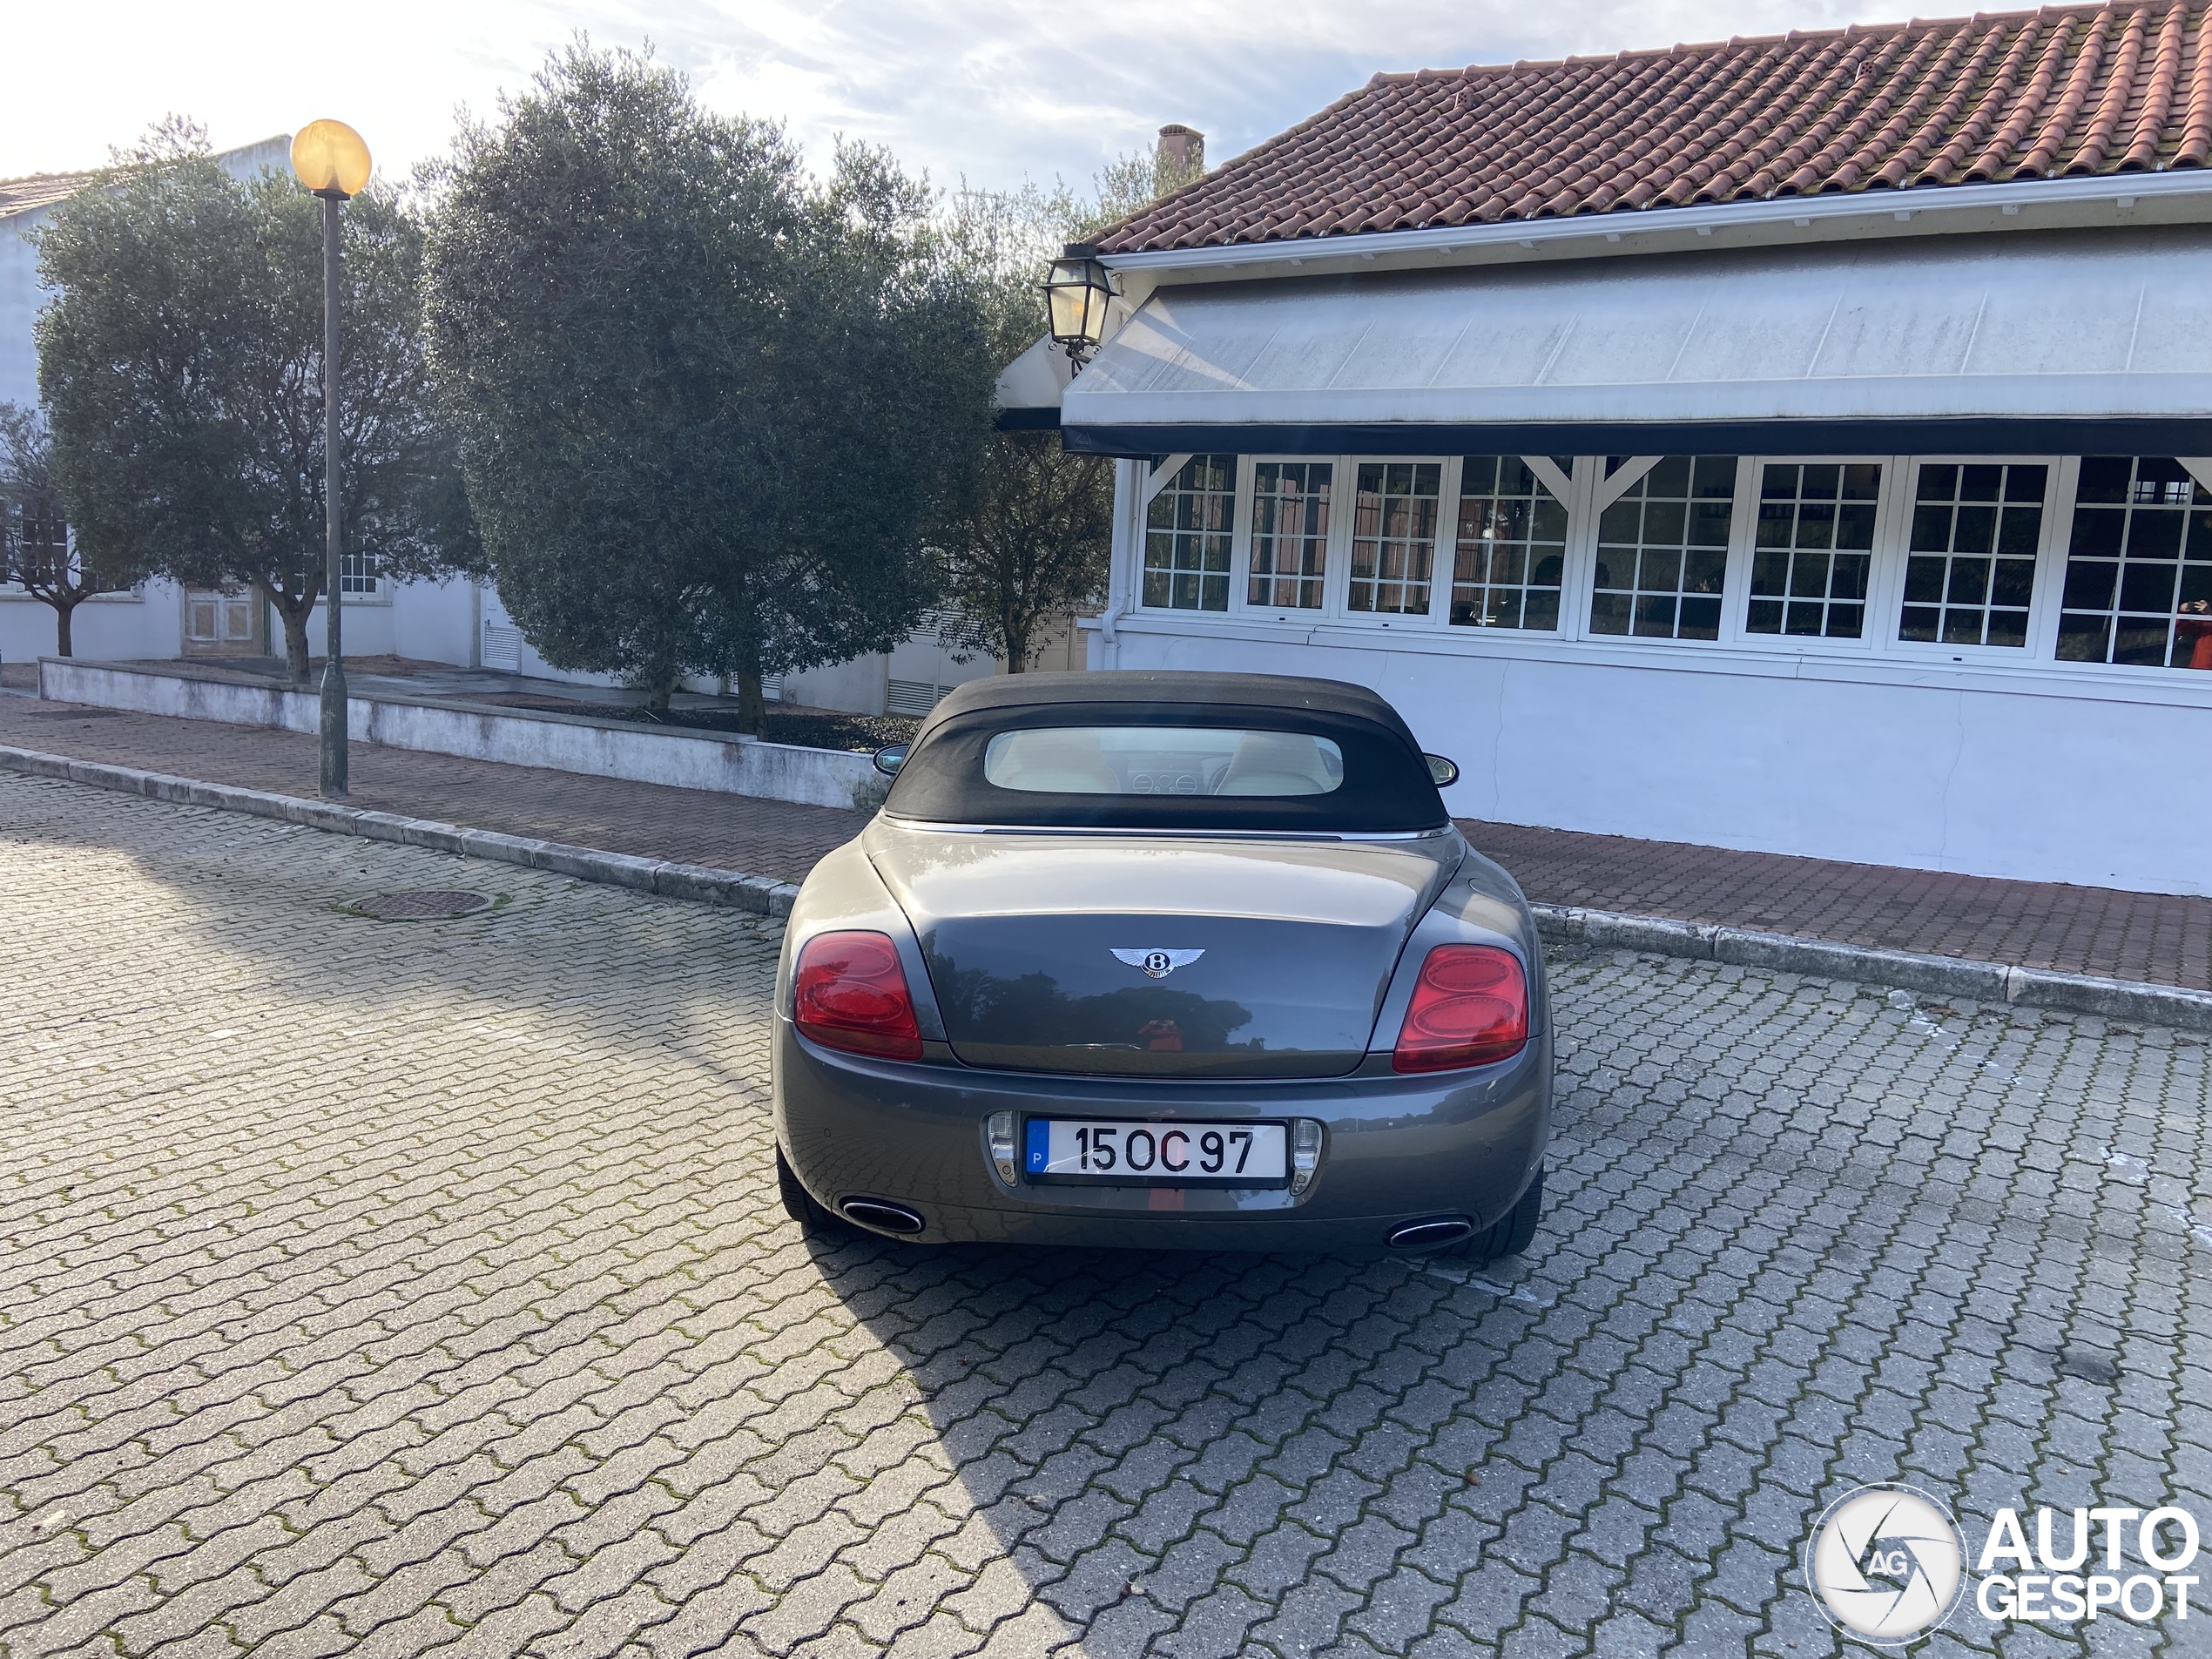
1788, 444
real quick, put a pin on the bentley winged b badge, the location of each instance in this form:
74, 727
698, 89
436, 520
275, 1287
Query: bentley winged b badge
1158, 964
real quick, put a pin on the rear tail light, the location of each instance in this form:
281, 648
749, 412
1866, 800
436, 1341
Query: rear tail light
850, 993
1470, 1008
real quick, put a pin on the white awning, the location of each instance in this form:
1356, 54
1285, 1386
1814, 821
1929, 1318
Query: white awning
1030, 387
2096, 341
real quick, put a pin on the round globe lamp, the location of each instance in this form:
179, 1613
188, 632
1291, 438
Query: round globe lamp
330, 159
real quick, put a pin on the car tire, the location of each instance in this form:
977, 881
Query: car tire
1514, 1232
799, 1205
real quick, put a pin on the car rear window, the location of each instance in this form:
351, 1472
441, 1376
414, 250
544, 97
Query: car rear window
1150, 767
1162, 760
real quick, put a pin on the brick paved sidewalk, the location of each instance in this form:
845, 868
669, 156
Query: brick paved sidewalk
2082, 930
2162, 939
769, 838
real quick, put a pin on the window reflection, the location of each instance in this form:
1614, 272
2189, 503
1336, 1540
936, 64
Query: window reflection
1815, 540
1290, 533
1511, 547
2139, 566
1971, 573
1186, 536
1393, 536
1662, 551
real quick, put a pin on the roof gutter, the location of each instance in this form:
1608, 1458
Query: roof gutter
2181, 196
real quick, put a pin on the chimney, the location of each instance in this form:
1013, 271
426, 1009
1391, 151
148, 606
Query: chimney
1182, 153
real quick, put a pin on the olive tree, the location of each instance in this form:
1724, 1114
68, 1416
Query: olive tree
713, 411
181, 367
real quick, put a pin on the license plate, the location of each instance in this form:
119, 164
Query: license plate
1157, 1154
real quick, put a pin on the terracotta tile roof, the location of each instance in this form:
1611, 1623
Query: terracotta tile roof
38, 190
2066, 90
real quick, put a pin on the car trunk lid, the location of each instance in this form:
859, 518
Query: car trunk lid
1136, 956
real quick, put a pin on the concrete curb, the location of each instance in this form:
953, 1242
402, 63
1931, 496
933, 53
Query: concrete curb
1994, 983
702, 884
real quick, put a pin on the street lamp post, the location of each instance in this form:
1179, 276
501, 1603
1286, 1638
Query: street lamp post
330, 159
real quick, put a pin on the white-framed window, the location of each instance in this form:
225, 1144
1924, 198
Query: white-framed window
2138, 588
1663, 547
359, 576
1812, 549
1509, 546
1396, 515
1972, 542
1188, 527
2053, 562
1287, 566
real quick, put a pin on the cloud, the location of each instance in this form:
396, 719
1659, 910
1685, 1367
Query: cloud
991, 90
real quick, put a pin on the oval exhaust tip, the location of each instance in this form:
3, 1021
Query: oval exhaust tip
1429, 1235
881, 1215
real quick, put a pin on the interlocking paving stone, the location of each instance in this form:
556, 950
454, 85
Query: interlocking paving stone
391, 1288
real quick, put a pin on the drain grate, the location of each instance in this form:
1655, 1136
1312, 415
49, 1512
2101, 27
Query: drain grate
420, 907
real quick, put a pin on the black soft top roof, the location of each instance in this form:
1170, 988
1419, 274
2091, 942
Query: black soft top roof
1181, 688
1386, 788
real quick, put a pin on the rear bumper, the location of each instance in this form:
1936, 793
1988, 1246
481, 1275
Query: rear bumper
1395, 1150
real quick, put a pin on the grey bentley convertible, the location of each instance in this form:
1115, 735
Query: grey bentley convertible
1164, 960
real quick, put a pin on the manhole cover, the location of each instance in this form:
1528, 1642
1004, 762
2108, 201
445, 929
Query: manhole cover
421, 906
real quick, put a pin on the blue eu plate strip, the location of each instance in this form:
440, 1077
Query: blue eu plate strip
1039, 1145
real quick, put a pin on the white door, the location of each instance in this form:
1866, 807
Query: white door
501, 646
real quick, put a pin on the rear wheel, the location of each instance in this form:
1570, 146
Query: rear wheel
1511, 1233
798, 1204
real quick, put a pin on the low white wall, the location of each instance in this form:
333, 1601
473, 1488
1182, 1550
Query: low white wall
2029, 783
520, 738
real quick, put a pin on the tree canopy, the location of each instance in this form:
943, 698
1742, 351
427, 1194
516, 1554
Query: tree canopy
181, 368
712, 410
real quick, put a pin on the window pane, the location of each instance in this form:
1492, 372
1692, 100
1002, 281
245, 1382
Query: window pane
1290, 533
1824, 566
2127, 598
1509, 549
1667, 537
358, 574
1965, 514
1186, 536
1393, 532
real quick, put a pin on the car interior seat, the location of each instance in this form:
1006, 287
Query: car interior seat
1277, 762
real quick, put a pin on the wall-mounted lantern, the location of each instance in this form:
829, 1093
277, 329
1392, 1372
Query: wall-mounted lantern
1075, 296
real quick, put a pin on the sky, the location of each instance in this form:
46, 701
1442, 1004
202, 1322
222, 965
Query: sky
990, 92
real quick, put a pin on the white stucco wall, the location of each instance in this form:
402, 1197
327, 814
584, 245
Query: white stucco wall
1973, 777
147, 624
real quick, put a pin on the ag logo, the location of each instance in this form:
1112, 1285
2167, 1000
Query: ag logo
1158, 964
1886, 1563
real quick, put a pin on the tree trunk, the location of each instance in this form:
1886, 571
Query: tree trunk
752, 703
296, 662
64, 643
1016, 623
658, 690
